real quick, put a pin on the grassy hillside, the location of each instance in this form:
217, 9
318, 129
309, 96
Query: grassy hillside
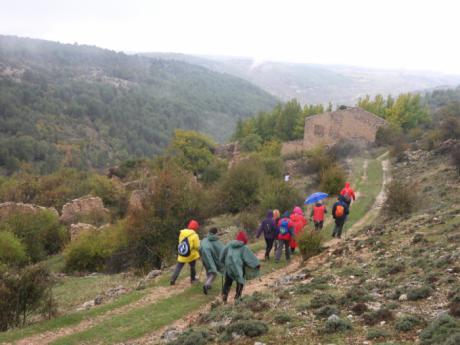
312, 83
82, 106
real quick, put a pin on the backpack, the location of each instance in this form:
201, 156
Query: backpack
347, 197
339, 211
269, 230
284, 227
184, 247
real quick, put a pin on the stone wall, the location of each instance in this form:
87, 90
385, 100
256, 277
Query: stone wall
8, 208
292, 147
348, 124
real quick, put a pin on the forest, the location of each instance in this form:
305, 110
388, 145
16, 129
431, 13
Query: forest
84, 107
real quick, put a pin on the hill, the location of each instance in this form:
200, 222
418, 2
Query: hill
314, 83
82, 106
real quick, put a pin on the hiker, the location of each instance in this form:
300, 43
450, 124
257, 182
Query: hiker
285, 234
276, 218
210, 250
236, 258
188, 251
299, 221
317, 215
268, 228
339, 212
348, 193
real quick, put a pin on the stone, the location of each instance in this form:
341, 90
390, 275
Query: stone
374, 306
137, 200
259, 343
170, 335
87, 305
333, 317
85, 207
7, 208
98, 300
153, 274
141, 285
403, 297
116, 291
77, 229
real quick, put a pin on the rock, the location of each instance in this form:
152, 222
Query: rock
77, 229
98, 300
259, 343
8, 208
403, 297
333, 317
137, 200
85, 207
116, 291
87, 305
170, 335
374, 306
141, 285
153, 274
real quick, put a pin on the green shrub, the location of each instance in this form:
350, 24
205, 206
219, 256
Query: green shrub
41, 233
321, 300
277, 194
273, 166
441, 331
359, 308
249, 328
309, 242
336, 324
355, 294
326, 311
332, 179
251, 142
91, 250
240, 186
456, 157
387, 135
192, 337
377, 333
23, 292
418, 293
374, 317
255, 302
12, 251
402, 198
408, 323
249, 222
213, 172
282, 318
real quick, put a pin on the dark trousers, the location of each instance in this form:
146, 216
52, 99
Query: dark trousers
226, 288
179, 267
279, 249
318, 225
338, 228
268, 247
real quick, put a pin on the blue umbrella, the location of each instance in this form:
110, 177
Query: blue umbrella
315, 197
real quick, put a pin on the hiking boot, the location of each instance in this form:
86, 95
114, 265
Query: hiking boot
224, 299
205, 289
172, 282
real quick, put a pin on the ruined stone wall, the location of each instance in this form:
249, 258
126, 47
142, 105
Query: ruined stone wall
292, 147
348, 124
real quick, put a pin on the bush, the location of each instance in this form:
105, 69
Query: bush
377, 333
91, 250
408, 323
248, 222
213, 172
419, 293
277, 194
249, 328
332, 179
23, 292
191, 337
41, 233
401, 198
239, 188
282, 318
387, 135
336, 324
321, 300
441, 331
309, 242
355, 294
359, 308
12, 251
251, 142
326, 311
374, 317
456, 157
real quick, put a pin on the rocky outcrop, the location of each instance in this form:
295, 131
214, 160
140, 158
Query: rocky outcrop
77, 229
83, 208
8, 208
136, 200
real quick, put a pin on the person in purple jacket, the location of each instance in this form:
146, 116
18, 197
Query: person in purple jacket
269, 229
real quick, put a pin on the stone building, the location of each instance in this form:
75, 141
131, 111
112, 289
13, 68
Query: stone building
354, 124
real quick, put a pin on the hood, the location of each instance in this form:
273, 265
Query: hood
347, 184
235, 244
286, 214
213, 237
242, 237
270, 214
193, 225
298, 211
342, 198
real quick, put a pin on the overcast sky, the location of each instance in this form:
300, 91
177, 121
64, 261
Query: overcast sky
406, 34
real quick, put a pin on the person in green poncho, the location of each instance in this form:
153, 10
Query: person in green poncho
237, 257
210, 251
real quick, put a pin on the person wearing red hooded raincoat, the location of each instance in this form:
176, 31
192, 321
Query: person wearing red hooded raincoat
348, 193
299, 222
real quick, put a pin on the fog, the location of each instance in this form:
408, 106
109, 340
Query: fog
413, 35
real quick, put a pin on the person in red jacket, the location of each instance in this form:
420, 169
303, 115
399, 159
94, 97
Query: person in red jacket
285, 234
348, 193
317, 214
299, 221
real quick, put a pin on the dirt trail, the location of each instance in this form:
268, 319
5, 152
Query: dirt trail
294, 266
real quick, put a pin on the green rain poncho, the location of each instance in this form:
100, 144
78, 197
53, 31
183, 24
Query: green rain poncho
237, 258
210, 250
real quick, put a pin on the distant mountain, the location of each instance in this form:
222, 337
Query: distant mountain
311, 84
83, 106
